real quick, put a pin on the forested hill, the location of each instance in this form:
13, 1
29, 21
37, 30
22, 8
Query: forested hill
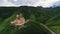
47, 16
6, 12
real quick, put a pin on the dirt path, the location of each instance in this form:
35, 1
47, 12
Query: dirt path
47, 28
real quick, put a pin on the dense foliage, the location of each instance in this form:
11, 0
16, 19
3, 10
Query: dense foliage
47, 16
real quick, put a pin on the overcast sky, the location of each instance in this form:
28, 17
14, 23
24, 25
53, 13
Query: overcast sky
44, 3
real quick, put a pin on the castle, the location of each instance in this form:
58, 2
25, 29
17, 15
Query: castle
19, 21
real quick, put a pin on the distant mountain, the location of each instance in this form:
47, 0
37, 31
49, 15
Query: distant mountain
57, 4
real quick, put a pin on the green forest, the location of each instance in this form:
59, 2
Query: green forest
42, 20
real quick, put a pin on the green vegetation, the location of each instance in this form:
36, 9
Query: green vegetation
40, 20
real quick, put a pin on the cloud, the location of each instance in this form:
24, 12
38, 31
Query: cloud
6, 3
1, 1
44, 3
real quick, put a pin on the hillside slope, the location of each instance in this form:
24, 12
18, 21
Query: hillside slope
47, 16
